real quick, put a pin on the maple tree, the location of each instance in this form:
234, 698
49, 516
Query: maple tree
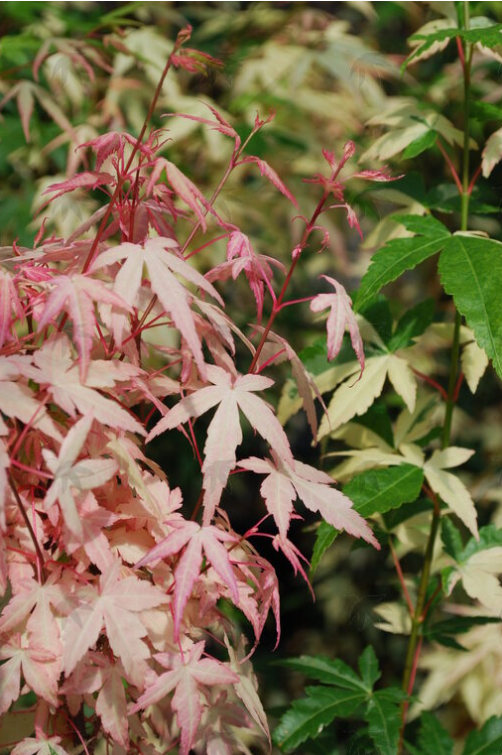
118, 617
110, 581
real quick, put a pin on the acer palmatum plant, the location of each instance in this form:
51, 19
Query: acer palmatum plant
111, 625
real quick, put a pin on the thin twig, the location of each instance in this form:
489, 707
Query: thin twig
24, 514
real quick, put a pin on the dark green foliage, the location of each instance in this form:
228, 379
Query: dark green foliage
400, 255
347, 695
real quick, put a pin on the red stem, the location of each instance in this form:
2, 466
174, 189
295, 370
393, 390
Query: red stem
451, 167
270, 360
182, 37
458, 386
431, 382
401, 579
296, 301
474, 179
40, 555
297, 253
461, 52
409, 691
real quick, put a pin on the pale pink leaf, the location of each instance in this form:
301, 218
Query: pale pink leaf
111, 707
10, 682
163, 685
161, 263
77, 295
219, 558
54, 366
314, 489
266, 423
340, 316
195, 405
81, 631
223, 437
187, 705
186, 574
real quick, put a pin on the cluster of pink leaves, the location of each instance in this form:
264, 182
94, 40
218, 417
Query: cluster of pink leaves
111, 593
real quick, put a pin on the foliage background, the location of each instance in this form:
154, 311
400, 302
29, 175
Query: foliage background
326, 69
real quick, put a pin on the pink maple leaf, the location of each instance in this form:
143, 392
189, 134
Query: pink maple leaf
70, 474
315, 488
116, 606
53, 366
93, 520
76, 295
189, 675
197, 539
159, 257
305, 384
221, 125
340, 316
40, 669
224, 433
36, 602
256, 267
105, 676
17, 400
87, 180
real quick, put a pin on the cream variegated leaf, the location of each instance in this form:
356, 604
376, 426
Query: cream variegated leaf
471, 677
480, 578
404, 128
492, 152
291, 402
474, 363
411, 426
354, 398
359, 436
453, 456
403, 381
393, 618
362, 459
451, 489
438, 24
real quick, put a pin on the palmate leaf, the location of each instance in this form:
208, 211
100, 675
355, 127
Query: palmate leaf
374, 491
307, 717
400, 255
355, 397
471, 269
346, 695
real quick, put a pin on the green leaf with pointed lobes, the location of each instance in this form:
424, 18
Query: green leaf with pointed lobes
400, 255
